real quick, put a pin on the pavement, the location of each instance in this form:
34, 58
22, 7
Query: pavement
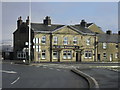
105, 77
28, 76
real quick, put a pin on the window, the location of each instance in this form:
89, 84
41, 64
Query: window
21, 55
65, 42
67, 55
116, 55
64, 54
104, 45
88, 54
88, 41
104, 55
43, 41
55, 39
43, 54
55, 55
116, 45
36, 40
75, 40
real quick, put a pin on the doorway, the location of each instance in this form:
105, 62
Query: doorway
111, 57
98, 57
78, 57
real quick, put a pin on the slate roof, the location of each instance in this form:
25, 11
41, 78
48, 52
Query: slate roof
39, 27
42, 27
82, 29
112, 38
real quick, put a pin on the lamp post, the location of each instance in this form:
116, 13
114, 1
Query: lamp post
29, 33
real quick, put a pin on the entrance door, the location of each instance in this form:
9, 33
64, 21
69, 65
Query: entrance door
111, 57
98, 57
78, 57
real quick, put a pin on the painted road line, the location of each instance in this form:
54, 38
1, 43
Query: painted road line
44, 67
58, 69
15, 80
37, 66
11, 72
51, 68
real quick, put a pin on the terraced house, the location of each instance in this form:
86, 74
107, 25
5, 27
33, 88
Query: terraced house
108, 46
57, 43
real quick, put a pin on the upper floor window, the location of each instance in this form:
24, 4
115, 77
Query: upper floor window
65, 42
43, 39
75, 40
55, 38
88, 41
36, 40
104, 45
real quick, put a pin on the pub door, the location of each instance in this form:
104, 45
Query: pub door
78, 57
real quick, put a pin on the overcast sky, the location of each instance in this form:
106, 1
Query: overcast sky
104, 14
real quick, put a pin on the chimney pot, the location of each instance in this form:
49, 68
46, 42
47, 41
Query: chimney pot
108, 32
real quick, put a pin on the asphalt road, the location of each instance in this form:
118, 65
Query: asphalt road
22, 76
105, 78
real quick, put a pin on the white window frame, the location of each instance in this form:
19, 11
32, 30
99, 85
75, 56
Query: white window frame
116, 55
65, 41
75, 40
104, 55
88, 54
43, 40
64, 54
67, 54
104, 45
21, 55
43, 52
55, 40
88, 41
55, 56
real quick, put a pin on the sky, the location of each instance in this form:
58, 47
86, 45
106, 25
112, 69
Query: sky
103, 14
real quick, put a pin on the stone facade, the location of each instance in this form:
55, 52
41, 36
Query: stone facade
84, 42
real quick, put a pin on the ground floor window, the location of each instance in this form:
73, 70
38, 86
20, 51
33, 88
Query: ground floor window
21, 55
55, 54
43, 56
67, 54
116, 55
88, 54
104, 55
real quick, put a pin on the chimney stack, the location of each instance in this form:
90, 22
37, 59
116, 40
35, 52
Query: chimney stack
19, 21
47, 20
109, 32
27, 20
83, 23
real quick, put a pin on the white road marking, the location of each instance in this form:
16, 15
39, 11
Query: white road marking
50, 68
58, 69
11, 72
15, 80
44, 67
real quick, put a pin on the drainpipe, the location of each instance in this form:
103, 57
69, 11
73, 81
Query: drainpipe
50, 47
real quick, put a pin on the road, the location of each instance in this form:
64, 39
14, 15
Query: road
24, 76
